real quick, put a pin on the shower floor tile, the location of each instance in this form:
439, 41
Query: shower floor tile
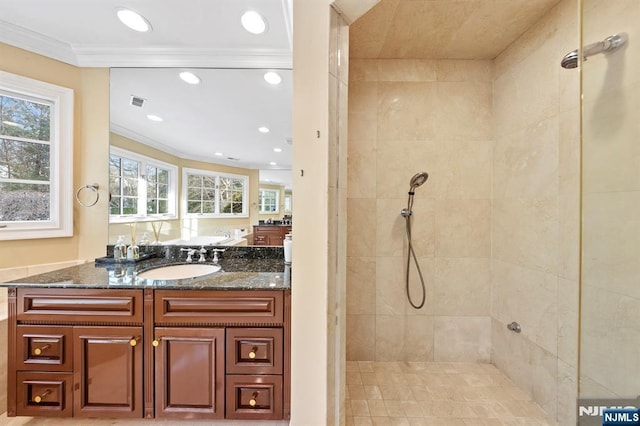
436, 393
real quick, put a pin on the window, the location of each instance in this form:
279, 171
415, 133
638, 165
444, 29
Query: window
36, 159
269, 200
212, 194
287, 203
141, 187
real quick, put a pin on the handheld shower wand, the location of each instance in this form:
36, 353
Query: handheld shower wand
417, 180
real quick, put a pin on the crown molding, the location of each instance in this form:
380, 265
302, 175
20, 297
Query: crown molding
32, 41
170, 56
105, 56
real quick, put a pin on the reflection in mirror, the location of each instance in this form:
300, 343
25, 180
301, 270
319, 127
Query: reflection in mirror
198, 163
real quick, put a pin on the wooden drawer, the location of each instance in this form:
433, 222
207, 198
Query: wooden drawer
81, 305
44, 348
254, 397
254, 351
44, 394
259, 239
218, 307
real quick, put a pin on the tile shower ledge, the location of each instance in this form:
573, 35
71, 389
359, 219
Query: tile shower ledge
236, 274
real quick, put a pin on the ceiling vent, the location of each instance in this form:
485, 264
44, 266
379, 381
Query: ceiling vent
289, 141
136, 101
233, 159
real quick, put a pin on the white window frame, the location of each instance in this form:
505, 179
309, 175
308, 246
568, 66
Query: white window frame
60, 223
261, 201
145, 161
217, 176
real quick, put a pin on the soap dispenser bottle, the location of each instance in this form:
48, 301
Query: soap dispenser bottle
119, 250
133, 251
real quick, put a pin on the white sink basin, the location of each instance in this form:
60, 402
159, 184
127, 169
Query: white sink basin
179, 272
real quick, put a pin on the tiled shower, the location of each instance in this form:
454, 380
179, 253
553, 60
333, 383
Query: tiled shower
496, 226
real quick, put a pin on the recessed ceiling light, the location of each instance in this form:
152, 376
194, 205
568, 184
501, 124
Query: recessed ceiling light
263, 129
219, 154
189, 77
273, 163
134, 20
253, 22
277, 149
272, 78
153, 117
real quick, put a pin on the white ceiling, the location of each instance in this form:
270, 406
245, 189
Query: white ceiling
220, 115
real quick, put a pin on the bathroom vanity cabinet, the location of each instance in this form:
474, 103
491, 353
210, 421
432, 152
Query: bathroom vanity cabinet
179, 354
270, 235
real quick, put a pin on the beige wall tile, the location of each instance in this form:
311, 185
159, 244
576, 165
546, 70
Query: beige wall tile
525, 232
390, 286
362, 130
419, 339
463, 111
463, 228
407, 111
461, 169
529, 297
462, 339
399, 160
460, 287
361, 172
362, 226
363, 70
363, 98
544, 379
464, 70
567, 393
610, 242
390, 337
361, 337
404, 70
511, 353
361, 285
611, 154
526, 162
568, 304
392, 227
610, 320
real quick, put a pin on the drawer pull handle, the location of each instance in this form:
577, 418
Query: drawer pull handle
252, 401
134, 341
156, 342
38, 398
38, 351
253, 352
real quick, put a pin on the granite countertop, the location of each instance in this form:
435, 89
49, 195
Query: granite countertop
236, 274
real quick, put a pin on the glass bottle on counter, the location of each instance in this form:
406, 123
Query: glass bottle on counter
119, 250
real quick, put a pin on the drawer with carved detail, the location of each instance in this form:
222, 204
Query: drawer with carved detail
44, 394
254, 397
254, 350
44, 348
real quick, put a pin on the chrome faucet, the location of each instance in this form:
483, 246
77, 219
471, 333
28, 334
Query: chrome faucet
190, 252
203, 254
215, 254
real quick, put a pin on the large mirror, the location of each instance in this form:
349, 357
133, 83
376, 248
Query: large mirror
199, 156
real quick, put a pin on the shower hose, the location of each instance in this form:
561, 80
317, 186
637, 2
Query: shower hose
411, 253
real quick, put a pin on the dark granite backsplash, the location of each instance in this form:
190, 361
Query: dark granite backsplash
230, 252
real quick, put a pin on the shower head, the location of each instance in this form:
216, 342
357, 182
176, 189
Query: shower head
570, 60
608, 45
418, 179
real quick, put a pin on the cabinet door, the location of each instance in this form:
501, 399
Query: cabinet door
189, 373
107, 371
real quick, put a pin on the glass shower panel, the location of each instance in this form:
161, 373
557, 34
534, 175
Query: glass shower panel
610, 282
